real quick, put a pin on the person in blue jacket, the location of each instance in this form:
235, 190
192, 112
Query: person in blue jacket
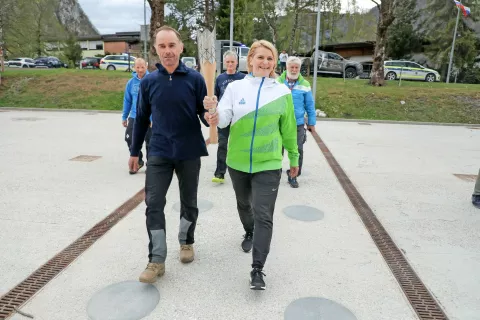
130, 107
303, 103
173, 95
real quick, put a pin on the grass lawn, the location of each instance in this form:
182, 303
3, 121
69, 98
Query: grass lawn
437, 102
102, 90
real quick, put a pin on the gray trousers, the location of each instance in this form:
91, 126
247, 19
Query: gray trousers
476, 190
159, 176
256, 195
301, 138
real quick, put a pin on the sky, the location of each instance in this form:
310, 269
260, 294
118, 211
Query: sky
110, 16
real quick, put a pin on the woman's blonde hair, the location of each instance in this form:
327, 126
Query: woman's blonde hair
266, 45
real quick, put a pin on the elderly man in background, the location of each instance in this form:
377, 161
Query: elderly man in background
303, 103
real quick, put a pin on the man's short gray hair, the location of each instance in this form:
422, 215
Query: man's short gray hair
230, 53
295, 60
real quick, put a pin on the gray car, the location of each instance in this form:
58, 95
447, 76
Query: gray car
333, 63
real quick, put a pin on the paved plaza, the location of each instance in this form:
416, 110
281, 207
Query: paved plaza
417, 179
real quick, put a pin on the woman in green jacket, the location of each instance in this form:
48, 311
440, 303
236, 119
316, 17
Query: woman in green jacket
261, 116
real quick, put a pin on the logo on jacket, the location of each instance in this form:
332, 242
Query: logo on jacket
242, 101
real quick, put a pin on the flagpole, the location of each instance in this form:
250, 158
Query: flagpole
453, 46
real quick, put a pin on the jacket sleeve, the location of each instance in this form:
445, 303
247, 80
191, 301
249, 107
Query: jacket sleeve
142, 120
127, 101
201, 92
310, 108
217, 89
225, 108
288, 130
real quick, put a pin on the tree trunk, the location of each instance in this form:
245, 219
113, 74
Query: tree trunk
295, 26
386, 17
272, 23
156, 21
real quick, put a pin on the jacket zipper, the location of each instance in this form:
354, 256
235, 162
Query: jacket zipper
255, 125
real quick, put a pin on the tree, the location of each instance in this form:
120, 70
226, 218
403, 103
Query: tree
359, 24
156, 21
438, 32
72, 50
331, 15
386, 10
271, 9
31, 25
296, 9
402, 36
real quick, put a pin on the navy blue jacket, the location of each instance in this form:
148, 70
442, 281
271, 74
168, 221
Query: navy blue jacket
175, 102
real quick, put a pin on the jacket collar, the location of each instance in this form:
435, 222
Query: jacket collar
283, 77
181, 68
267, 82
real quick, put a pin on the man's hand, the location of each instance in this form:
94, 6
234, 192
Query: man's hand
210, 103
124, 123
293, 172
212, 119
133, 164
311, 129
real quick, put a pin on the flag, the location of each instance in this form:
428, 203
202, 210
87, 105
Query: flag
465, 10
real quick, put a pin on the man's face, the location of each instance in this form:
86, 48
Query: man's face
168, 48
293, 71
140, 68
231, 63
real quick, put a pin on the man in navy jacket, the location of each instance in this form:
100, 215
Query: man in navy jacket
173, 95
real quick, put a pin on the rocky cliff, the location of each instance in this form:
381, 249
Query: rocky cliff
72, 17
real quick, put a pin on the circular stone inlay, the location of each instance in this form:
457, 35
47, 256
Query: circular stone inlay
128, 300
203, 205
303, 213
313, 308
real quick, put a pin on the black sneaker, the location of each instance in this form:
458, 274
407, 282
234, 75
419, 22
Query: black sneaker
256, 279
476, 200
247, 242
292, 181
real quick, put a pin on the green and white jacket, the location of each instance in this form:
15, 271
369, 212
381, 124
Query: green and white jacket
261, 117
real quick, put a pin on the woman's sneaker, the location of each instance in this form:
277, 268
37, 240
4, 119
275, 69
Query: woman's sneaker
247, 242
256, 279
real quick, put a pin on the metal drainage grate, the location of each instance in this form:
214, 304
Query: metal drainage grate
474, 128
84, 158
39, 278
420, 298
364, 123
466, 177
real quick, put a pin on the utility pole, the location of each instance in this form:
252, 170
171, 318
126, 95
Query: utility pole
453, 46
315, 62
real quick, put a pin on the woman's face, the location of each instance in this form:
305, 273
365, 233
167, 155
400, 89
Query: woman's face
262, 62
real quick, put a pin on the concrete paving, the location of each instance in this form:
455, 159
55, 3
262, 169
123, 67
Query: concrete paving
406, 174
48, 201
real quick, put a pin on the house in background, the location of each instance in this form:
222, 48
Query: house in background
101, 45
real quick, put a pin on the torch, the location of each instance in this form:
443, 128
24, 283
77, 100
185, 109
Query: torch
206, 54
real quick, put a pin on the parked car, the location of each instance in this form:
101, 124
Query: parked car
190, 62
409, 71
116, 62
333, 63
48, 62
22, 63
91, 62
